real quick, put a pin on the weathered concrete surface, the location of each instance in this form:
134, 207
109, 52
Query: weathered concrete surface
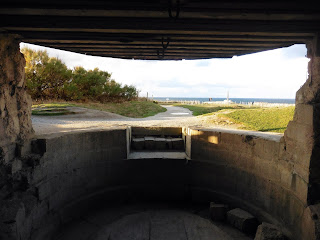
245, 169
242, 220
268, 231
157, 155
76, 171
15, 103
311, 222
162, 225
147, 221
137, 29
79, 171
302, 144
156, 131
275, 178
15, 130
60, 182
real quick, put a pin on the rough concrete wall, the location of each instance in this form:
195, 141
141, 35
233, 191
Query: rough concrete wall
282, 180
15, 103
62, 179
15, 130
70, 173
248, 169
72, 170
302, 135
76, 172
303, 142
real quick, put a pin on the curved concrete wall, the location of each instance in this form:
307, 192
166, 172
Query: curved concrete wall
72, 169
249, 170
80, 170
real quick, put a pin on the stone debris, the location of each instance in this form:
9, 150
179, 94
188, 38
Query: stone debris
218, 212
267, 231
242, 220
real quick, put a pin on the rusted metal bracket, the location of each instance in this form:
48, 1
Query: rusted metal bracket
177, 8
165, 45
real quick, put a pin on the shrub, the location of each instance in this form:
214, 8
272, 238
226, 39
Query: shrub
49, 78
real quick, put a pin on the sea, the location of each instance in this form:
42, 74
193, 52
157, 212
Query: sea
235, 100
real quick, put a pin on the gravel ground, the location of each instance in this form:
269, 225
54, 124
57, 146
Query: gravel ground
85, 119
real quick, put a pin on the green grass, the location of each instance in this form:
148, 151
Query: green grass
52, 105
134, 109
207, 108
264, 119
53, 109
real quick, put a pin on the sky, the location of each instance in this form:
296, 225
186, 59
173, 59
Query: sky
271, 74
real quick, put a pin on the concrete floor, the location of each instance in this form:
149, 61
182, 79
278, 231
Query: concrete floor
139, 222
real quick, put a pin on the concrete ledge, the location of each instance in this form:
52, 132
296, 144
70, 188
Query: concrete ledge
158, 155
156, 131
268, 136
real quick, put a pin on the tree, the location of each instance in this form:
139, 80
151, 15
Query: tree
49, 78
44, 75
89, 84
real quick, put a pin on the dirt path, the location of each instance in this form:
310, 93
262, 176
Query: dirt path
85, 119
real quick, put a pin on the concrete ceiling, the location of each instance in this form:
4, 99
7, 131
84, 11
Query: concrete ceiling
168, 30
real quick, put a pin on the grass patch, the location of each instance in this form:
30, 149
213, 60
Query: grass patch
52, 109
207, 108
263, 119
51, 112
134, 109
52, 105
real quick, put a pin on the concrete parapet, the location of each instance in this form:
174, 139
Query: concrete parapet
255, 168
241, 168
156, 131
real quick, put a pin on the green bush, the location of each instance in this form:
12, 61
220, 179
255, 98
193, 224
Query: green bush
44, 75
49, 78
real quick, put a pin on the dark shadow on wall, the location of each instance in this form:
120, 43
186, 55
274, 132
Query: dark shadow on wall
314, 178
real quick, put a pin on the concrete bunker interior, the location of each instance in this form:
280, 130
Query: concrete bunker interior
46, 181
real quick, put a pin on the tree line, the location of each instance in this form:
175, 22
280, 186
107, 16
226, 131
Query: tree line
50, 78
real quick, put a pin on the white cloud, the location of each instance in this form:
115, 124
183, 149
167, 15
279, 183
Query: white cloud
272, 74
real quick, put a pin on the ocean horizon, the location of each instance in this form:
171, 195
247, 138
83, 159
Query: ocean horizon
235, 100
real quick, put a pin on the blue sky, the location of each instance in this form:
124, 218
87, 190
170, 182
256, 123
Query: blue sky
271, 74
